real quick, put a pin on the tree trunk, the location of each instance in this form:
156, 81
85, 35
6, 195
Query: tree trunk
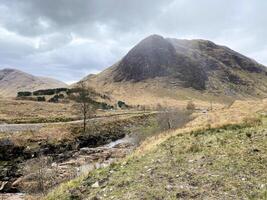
84, 118
84, 124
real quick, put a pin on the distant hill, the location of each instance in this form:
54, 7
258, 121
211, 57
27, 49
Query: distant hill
13, 81
158, 68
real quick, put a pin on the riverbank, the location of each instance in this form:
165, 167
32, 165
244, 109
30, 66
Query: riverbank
64, 151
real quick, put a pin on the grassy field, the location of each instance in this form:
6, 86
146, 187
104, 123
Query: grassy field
54, 134
13, 111
204, 162
21, 111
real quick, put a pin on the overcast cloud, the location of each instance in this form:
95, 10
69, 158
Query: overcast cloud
68, 39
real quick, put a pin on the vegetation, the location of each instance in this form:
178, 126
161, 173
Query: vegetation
122, 105
190, 106
33, 149
41, 174
24, 94
12, 111
40, 98
221, 163
84, 106
66, 95
50, 91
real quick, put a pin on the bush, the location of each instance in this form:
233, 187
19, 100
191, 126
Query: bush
122, 105
40, 98
252, 121
44, 92
172, 119
24, 94
54, 99
190, 106
58, 90
61, 96
105, 106
50, 91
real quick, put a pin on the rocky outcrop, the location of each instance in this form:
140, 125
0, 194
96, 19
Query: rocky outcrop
157, 57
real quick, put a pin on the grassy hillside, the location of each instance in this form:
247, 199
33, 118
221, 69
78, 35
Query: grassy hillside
227, 162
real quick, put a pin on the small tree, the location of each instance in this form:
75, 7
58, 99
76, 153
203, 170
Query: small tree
38, 170
168, 118
84, 103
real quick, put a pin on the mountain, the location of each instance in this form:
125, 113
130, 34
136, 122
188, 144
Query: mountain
183, 69
13, 81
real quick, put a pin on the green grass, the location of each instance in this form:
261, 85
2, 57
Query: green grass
223, 163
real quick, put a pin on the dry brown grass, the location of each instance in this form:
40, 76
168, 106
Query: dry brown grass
14, 110
240, 111
237, 112
62, 132
152, 92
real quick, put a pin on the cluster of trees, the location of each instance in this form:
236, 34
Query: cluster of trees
49, 91
24, 94
43, 92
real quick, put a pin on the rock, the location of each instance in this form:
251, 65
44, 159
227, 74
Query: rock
123, 145
17, 182
6, 187
54, 164
86, 150
2, 185
169, 187
95, 185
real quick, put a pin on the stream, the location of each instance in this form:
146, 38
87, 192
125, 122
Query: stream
81, 163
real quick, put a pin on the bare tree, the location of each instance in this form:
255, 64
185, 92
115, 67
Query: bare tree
38, 176
172, 118
84, 103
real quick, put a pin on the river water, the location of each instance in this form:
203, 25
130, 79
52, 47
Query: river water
88, 159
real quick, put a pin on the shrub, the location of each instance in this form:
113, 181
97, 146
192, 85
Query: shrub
44, 92
40, 98
54, 99
50, 91
122, 105
61, 96
105, 106
252, 121
190, 106
172, 118
58, 90
24, 94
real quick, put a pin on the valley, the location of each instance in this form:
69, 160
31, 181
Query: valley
173, 119
63, 149
133, 100
210, 158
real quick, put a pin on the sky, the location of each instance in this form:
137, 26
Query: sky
69, 39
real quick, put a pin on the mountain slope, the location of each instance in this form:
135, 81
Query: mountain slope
13, 81
183, 69
223, 157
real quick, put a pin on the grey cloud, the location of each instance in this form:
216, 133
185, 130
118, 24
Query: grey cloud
79, 14
67, 39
